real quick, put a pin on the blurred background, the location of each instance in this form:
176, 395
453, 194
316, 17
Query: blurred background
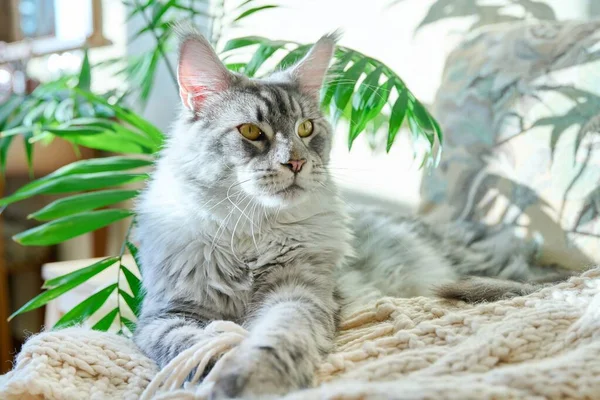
43, 40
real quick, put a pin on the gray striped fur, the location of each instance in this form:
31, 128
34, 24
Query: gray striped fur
224, 234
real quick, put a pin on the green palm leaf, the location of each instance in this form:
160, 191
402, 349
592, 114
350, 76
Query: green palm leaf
63, 284
86, 308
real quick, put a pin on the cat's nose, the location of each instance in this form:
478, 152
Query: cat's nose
295, 165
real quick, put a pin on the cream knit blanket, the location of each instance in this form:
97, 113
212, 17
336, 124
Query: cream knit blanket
546, 345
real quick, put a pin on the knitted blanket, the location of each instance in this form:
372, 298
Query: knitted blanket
545, 345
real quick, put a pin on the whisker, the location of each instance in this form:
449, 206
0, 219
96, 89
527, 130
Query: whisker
243, 214
252, 211
217, 236
227, 196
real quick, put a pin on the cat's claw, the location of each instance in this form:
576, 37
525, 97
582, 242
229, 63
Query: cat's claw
244, 384
250, 374
229, 386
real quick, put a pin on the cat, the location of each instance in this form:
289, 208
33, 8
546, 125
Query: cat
241, 221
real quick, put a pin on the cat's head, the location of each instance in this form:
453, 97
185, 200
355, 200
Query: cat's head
266, 137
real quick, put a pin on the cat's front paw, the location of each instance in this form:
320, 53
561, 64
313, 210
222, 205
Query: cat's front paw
259, 372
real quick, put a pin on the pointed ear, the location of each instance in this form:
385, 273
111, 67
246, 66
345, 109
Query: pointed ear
309, 73
200, 72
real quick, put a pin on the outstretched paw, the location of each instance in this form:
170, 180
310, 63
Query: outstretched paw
256, 373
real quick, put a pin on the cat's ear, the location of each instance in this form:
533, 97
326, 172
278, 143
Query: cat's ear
200, 73
309, 73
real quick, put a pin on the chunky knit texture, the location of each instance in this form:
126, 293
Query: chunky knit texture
545, 345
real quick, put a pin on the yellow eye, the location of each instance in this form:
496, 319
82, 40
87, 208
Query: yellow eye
305, 129
250, 131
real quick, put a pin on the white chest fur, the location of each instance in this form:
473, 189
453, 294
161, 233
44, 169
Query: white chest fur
193, 254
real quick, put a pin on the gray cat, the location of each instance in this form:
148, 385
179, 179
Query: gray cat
242, 222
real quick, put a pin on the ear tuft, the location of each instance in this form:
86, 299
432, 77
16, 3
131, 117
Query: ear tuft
200, 73
310, 72
334, 36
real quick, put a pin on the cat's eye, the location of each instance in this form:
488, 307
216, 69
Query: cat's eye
305, 129
250, 131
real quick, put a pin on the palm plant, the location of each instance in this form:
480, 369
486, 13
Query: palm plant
583, 113
364, 92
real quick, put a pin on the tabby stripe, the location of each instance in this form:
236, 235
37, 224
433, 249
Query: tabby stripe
292, 103
269, 102
181, 342
280, 100
302, 108
282, 367
176, 324
259, 115
190, 306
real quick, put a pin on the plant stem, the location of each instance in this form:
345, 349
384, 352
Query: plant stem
583, 233
508, 139
121, 253
573, 182
159, 43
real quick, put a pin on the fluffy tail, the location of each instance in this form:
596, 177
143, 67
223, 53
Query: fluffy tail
477, 289
480, 289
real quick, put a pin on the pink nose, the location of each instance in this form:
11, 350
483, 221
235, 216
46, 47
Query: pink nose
295, 165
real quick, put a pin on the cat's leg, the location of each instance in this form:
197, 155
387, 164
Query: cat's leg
291, 329
164, 331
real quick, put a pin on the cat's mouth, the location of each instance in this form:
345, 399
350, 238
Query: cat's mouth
278, 194
292, 189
